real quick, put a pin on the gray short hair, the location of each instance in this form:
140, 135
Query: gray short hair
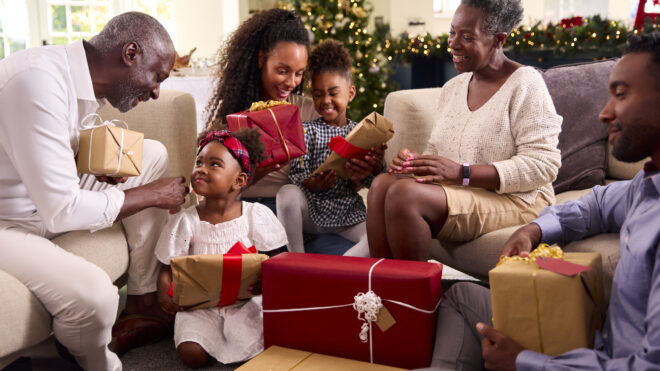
133, 26
501, 15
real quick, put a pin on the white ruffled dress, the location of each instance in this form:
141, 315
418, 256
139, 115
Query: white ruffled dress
231, 333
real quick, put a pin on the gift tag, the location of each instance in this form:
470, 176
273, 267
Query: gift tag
561, 266
385, 319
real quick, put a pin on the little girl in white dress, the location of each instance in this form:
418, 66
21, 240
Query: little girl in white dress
222, 169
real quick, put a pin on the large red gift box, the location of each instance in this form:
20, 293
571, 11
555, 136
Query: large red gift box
309, 300
280, 126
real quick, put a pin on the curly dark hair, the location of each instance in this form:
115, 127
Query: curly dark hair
251, 139
330, 56
238, 77
501, 15
647, 43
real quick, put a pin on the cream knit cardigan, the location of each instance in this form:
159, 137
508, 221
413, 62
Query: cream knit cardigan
516, 130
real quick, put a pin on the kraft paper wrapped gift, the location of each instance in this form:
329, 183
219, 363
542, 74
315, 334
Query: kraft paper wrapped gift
285, 359
545, 311
110, 150
372, 131
280, 126
321, 304
205, 281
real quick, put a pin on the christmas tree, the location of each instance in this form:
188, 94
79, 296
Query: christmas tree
347, 21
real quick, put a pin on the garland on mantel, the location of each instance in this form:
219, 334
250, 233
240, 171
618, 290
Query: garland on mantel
602, 37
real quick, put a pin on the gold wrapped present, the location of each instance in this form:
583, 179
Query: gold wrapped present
110, 150
370, 132
285, 359
204, 281
545, 311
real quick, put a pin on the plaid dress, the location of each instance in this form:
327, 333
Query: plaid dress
339, 205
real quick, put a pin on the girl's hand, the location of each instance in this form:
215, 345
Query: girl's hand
359, 168
433, 169
320, 181
397, 162
256, 288
375, 158
167, 303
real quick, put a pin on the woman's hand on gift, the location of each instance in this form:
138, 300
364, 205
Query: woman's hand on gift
498, 350
433, 169
261, 172
404, 155
256, 288
114, 180
522, 241
320, 181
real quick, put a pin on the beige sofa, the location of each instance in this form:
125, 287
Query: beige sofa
23, 320
579, 93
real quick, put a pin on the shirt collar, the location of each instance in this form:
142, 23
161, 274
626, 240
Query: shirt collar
652, 173
82, 79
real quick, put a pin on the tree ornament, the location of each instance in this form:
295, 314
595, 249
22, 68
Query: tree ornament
374, 69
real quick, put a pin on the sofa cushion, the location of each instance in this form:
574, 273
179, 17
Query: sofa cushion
622, 170
579, 92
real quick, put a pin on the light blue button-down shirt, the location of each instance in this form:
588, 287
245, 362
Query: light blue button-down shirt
631, 336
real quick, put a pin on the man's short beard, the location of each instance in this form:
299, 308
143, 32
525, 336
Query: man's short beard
627, 151
128, 96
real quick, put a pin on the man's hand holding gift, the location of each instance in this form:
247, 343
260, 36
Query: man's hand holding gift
498, 350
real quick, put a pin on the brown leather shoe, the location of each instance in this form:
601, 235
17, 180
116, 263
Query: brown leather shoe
136, 330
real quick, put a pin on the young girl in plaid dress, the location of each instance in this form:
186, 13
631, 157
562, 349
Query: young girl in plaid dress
326, 203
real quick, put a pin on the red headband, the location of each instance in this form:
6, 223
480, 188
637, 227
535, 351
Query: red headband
234, 145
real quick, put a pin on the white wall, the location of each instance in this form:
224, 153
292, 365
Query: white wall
398, 13
200, 24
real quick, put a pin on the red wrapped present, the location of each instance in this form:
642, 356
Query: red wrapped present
374, 310
280, 127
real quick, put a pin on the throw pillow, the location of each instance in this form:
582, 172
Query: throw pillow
579, 92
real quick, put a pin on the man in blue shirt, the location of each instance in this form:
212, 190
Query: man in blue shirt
630, 339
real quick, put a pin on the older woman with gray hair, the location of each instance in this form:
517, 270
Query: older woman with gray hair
491, 157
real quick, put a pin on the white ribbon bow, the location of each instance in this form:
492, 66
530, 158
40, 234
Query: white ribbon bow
94, 121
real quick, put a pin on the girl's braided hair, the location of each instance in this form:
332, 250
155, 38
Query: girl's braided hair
238, 77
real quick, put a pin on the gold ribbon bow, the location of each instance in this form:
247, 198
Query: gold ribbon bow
542, 251
262, 105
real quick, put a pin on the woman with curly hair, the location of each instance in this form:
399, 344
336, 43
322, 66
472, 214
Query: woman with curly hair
264, 59
491, 156
324, 203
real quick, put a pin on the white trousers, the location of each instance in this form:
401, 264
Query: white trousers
293, 213
78, 294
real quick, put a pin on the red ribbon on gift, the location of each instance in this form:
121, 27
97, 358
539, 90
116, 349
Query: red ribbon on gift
346, 149
232, 264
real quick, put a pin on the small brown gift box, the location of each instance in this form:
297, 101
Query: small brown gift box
545, 311
285, 359
110, 150
200, 281
370, 132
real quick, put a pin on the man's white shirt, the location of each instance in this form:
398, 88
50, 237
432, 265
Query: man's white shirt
44, 94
